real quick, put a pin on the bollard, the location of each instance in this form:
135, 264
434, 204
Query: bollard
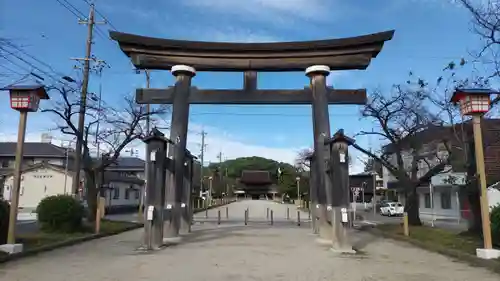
298, 218
272, 217
287, 213
227, 212
267, 213
246, 217
218, 217
405, 224
309, 213
206, 213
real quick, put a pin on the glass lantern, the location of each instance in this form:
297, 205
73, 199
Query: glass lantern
472, 101
24, 101
26, 98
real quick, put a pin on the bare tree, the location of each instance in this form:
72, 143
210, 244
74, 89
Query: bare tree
486, 24
418, 143
372, 165
302, 162
114, 127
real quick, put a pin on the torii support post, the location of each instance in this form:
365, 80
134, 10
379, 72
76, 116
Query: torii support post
186, 204
155, 194
313, 191
178, 134
339, 173
321, 128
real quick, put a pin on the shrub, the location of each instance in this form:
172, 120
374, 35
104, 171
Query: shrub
60, 213
495, 224
4, 220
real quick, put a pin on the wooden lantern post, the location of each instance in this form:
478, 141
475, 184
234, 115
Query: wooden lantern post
475, 103
23, 99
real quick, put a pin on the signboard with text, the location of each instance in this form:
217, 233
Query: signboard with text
449, 179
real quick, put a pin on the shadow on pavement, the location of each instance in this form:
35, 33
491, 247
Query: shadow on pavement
225, 231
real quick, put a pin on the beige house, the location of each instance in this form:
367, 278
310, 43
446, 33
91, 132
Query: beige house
43, 179
37, 182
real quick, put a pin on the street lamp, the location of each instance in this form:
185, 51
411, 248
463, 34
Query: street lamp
297, 179
475, 103
23, 99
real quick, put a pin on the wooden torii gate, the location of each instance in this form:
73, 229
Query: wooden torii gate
316, 58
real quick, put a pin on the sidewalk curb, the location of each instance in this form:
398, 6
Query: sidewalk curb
461, 256
75, 241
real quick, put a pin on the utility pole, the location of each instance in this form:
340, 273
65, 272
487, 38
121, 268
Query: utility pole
202, 154
221, 174
148, 156
90, 22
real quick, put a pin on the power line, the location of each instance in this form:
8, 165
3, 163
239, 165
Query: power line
72, 9
102, 16
34, 58
33, 67
11, 70
14, 63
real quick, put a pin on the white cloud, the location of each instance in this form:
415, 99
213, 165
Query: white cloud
233, 34
358, 162
216, 140
268, 10
232, 147
334, 75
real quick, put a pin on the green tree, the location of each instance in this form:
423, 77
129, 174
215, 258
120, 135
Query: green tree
234, 167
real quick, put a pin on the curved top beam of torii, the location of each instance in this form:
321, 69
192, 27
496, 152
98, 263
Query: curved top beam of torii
338, 54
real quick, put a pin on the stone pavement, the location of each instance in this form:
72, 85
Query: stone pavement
233, 251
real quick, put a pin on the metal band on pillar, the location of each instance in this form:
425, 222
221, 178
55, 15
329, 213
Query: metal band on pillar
178, 134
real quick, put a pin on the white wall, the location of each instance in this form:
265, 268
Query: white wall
437, 212
120, 189
36, 185
43, 182
493, 197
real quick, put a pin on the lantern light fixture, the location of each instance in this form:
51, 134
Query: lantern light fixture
26, 97
472, 101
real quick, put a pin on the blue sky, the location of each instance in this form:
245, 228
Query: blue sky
429, 34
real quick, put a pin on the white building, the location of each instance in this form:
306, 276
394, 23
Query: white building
43, 179
443, 196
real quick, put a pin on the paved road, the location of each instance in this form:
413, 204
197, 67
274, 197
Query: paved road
236, 252
451, 225
257, 213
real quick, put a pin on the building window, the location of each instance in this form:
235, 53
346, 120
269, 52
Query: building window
427, 200
116, 193
445, 200
127, 193
5, 164
137, 194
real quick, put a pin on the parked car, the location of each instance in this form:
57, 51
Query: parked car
392, 209
381, 203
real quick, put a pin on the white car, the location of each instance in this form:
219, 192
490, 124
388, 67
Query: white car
392, 209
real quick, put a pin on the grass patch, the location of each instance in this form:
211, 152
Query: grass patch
41, 238
462, 247
437, 236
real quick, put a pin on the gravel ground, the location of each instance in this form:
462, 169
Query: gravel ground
233, 251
